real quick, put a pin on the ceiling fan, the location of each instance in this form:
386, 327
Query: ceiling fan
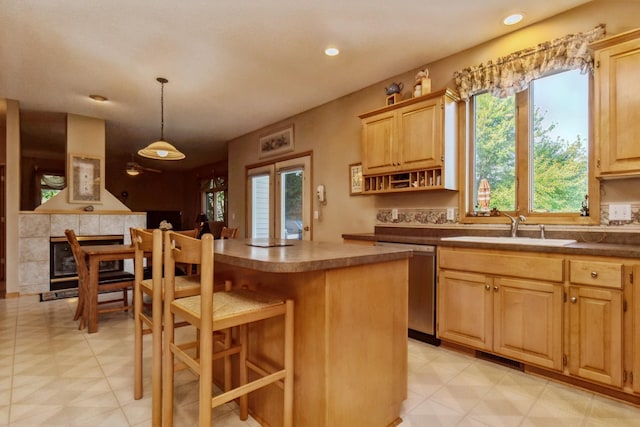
133, 168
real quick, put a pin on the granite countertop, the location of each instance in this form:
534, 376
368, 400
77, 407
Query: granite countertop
587, 243
301, 256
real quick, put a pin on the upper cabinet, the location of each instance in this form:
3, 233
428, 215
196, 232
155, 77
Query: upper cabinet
411, 145
617, 105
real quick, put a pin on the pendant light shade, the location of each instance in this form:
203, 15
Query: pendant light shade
161, 150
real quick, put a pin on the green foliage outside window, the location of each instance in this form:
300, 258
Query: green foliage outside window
558, 164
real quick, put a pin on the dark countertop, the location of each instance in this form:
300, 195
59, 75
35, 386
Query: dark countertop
300, 256
587, 243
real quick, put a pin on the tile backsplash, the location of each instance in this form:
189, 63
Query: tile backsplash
438, 216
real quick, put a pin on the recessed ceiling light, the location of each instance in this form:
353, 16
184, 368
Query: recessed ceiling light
331, 51
99, 98
513, 19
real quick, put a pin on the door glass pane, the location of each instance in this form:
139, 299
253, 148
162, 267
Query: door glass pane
260, 204
560, 137
291, 204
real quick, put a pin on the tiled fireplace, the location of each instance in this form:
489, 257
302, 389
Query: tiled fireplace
37, 229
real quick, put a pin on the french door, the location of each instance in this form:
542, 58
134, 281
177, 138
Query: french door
279, 200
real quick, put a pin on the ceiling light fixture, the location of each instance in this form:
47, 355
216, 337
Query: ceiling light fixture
513, 19
332, 51
132, 170
161, 150
99, 98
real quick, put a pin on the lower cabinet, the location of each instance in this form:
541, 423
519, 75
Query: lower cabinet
528, 321
518, 319
595, 334
635, 331
575, 315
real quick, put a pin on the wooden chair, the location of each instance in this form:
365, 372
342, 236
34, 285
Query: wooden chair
229, 233
211, 312
150, 242
83, 284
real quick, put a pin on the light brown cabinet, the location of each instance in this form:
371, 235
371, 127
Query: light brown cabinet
416, 136
634, 331
616, 100
595, 334
573, 315
482, 306
596, 320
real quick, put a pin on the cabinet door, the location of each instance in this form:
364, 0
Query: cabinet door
465, 312
378, 150
420, 130
635, 330
528, 321
595, 334
616, 109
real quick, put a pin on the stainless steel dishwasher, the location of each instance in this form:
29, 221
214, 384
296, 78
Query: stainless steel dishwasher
422, 291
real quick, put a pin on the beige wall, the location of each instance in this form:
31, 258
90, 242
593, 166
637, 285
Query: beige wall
332, 130
13, 193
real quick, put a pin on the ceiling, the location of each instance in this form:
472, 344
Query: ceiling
233, 66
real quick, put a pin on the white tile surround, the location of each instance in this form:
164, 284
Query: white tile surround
35, 229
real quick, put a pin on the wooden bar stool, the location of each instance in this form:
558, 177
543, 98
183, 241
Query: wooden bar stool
210, 312
151, 242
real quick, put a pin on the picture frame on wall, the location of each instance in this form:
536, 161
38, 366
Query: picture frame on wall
276, 143
355, 179
85, 178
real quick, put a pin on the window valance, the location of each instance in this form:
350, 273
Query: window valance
513, 73
217, 183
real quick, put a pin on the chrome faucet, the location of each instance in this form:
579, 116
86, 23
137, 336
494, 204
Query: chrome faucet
515, 221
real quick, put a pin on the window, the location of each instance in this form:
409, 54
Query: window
530, 151
49, 184
214, 198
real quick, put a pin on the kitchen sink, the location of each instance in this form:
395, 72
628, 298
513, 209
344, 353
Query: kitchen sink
511, 240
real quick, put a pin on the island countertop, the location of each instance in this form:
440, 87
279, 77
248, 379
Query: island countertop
299, 255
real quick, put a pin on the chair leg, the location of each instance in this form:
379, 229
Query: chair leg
227, 360
206, 377
137, 344
156, 369
168, 370
288, 365
244, 377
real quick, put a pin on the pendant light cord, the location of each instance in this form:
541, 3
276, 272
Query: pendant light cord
162, 81
162, 111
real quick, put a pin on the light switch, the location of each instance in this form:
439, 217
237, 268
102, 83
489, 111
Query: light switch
394, 213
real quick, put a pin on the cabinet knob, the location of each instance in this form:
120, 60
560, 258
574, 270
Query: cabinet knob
594, 274
495, 288
487, 287
574, 300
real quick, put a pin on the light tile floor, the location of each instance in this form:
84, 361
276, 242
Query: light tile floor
52, 374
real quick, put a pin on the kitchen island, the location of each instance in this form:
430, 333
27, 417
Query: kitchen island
350, 328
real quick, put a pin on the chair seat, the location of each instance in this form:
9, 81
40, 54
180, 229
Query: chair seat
184, 286
229, 305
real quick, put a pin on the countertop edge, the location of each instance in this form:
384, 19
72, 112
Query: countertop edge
580, 248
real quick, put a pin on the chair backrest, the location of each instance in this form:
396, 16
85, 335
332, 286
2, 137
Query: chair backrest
189, 233
81, 264
229, 233
184, 249
145, 242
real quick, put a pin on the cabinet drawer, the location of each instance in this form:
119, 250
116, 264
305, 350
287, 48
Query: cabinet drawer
527, 266
605, 274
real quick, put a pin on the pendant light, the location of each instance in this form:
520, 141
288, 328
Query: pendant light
161, 150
